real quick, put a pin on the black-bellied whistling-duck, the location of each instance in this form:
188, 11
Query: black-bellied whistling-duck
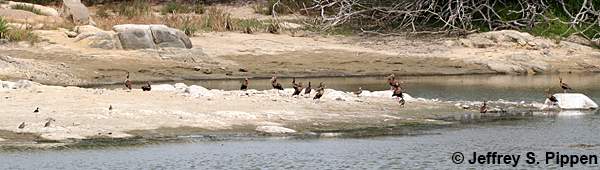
275, 84
244, 85
391, 79
483, 108
358, 92
308, 89
22, 125
397, 92
47, 124
297, 87
320, 91
564, 85
127, 82
550, 97
147, 87
37, 109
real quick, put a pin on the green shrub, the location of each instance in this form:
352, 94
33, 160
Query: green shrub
41, 2
3, 2
21, 35
29, 8
134, 8
175, 7
3, 27
102, 12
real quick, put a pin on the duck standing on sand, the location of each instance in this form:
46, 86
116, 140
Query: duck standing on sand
275, 84
320, 91
358, 92
37, 109
47, 124
147, 87
483, 108
22, 125
244, 86
297, 87
397, 92
307, 89
127, 82
564, 85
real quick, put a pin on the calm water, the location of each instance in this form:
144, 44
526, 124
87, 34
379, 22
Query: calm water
478, 87
537, 134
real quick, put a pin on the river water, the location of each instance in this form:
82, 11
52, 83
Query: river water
574, 134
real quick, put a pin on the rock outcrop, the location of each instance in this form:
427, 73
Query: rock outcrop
506, 38
134, 36
93, 37
43, 10
76, 12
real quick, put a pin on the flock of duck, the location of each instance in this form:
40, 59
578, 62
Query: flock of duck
553, 100
395, 86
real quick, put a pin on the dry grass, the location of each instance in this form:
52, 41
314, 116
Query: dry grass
108, 22
214, 19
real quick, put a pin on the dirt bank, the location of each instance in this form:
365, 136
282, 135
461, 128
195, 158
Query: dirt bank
62, 61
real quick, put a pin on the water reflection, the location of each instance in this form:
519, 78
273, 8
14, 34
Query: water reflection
471, 88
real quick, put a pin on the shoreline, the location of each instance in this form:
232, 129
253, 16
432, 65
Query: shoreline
81, 114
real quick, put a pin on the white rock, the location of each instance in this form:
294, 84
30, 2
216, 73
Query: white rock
573, 101
274, 129
163, 87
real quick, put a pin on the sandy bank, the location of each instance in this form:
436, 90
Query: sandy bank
84, 113
60, 60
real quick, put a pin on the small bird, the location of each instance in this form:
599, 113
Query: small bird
320, 91
22, 125
127, 82
553, 100
564, 85
275, 84
37, 109
483, 108
297, 87
147, 87
358, 92
308, 89
397, 92
391, 79
110, 107
47, 124
244, 86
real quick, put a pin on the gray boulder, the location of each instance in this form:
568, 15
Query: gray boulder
169, 37
76, 12
134, 36
93, 37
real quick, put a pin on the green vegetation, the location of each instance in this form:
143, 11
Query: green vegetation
3, 2
16, 34
22, 35
3, 27
41, 2
29, 8
134, 8
173, 7
283, 7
